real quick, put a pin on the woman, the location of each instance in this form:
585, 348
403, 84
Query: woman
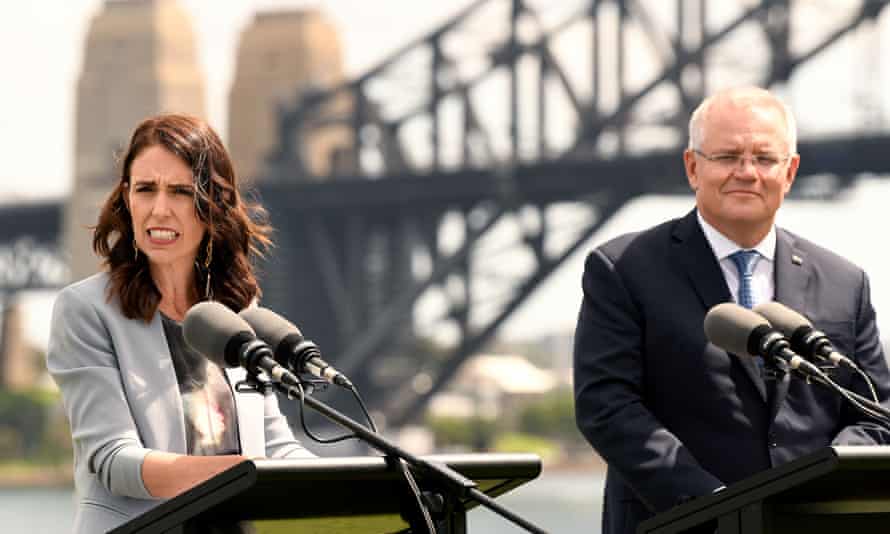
149, 417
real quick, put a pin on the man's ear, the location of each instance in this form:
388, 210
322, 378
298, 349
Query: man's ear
791, 172
690, 165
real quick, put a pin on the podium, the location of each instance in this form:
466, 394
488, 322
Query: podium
327, 495
834, 490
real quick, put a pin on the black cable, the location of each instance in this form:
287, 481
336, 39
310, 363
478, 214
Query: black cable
822, 378
868, 382
459, 485
852, 365
866, 410
308, 432
402, 467
415, 489
400, 464
361, 403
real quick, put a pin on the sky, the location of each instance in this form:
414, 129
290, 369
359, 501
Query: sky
41, 52
41, 44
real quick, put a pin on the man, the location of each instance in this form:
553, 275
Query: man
674, 416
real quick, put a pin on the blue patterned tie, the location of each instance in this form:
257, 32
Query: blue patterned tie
745, 261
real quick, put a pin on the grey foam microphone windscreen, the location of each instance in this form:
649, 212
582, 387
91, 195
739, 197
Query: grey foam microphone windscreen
209, 327
729, 326
783, 318
270, 327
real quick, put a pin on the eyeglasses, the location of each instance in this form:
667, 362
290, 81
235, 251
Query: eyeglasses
763, 162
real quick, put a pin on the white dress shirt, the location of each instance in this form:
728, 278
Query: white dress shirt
762, 284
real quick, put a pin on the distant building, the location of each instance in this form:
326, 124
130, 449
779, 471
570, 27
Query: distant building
282, 56
492, 386
139, 60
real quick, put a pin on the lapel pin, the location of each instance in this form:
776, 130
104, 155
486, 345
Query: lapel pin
796, 260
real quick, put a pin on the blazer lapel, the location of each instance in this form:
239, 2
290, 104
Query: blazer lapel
694, 253
792, 276
150, 380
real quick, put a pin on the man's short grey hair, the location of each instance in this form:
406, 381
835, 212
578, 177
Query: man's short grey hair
750, 94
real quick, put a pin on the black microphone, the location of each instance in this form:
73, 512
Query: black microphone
290, 347
741, 331
805, 339
227, 340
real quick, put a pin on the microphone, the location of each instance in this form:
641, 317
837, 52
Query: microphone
741, 331
227, 340
805, 339
290, 347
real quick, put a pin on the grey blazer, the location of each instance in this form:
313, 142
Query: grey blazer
122, 399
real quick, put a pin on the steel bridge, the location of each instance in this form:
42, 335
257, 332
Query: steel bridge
485, 153
500, 117
30, 253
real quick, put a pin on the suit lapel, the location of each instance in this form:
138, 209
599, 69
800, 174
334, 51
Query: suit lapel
693, 252
791, 277
792, 274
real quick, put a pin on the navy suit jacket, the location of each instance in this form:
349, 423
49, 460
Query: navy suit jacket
675, 417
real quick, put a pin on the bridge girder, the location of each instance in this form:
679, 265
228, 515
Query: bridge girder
431, 144
433, 150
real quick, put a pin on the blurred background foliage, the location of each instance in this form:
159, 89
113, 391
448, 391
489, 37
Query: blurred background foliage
545, 425
33, 428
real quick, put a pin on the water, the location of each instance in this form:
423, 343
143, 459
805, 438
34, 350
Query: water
561, 503
36, 510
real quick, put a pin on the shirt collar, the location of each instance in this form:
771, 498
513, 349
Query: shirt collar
723, 247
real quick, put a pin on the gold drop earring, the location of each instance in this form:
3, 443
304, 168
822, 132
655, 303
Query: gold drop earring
135, 250
208, 291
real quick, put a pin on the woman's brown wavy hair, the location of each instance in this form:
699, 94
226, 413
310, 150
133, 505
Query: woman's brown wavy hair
239, 228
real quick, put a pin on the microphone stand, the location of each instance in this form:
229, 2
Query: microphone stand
458, 484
